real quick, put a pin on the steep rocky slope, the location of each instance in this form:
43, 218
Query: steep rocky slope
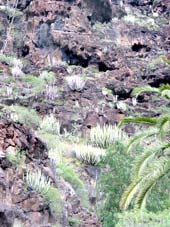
113, 45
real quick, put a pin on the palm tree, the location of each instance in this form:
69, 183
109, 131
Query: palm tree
154, 163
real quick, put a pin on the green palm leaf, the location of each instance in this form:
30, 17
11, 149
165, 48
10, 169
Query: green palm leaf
137, 91
158, 169
163, 125
139, 120
141, 136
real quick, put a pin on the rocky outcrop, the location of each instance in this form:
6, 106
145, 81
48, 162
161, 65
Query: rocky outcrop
16, 135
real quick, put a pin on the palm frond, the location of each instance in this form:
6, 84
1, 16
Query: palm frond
138, 191
166, 94
140, 202
137, 91
139, 137
139, 120
145, 160
129, 194
166, 60
158, 169
163, 125
141, 163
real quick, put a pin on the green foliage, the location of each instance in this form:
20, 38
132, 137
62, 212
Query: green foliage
105, 136
144, 219
88, 154
17, 158
42, 185
151, 166
142, 185
49, 124
114, 179
159, 199
74, 221
37, 84
163, 90
48, 77
53, 199
24, 115
68, 173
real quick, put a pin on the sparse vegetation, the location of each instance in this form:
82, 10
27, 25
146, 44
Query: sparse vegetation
41, 184
105, 136
75, 83
49, 124
68, 173
88, 154
24, 115
61, 100
16, 157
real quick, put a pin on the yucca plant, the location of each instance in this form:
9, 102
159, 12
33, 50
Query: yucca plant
154, 163
38, 182
105, 136
75, 83
49, 124
88, 154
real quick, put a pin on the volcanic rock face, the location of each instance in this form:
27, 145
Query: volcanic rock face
16, 135
116, 45
102, 41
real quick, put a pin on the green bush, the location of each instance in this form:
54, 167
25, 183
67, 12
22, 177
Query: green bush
114, 179
144, 219
68, 173
24, 115
49, 124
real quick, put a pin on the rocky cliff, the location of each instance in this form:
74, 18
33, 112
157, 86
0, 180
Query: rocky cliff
115, 45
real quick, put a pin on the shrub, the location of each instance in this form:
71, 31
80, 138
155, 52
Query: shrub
37, 84
144, 219
49, 124
68, 173
105, 136
75, 83
50, 92
88, 154
38, 182
115, 174
24, 115
74, 221
16, 157
49, 77
41, 184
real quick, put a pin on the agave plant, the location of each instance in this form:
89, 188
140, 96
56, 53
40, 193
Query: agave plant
75, 83
88, 154
37, 182
105, 136
49, 124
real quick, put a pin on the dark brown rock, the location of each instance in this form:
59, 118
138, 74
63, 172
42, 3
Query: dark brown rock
6, 215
